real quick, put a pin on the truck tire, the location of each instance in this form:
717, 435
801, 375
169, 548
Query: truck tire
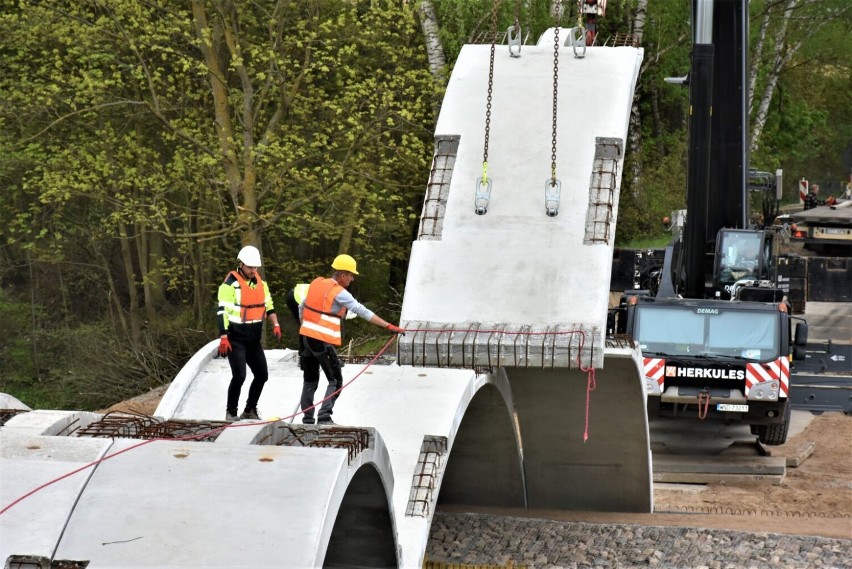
774, 434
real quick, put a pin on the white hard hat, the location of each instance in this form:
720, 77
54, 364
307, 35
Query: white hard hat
250, 256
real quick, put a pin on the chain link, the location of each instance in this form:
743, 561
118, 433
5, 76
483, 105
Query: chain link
494, 7
518, 17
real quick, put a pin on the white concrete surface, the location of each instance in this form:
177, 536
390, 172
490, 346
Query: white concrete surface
9, 402
29, 460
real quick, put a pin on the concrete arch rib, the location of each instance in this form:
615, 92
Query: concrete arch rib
611, 471
363, 533
484, 467
237, 505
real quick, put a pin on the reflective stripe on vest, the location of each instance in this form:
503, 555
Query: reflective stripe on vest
317, 319
300, 292
249, 303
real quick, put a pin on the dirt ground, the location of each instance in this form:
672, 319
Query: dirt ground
815, 498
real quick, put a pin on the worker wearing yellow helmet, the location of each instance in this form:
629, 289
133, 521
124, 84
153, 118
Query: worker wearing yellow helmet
244, 304
325, 306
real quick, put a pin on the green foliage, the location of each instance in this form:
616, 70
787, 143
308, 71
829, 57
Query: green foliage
141, 144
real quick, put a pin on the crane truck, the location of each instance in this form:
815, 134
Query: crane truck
717, 335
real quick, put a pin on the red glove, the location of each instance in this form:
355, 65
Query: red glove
224, 347
396, 329
276, 331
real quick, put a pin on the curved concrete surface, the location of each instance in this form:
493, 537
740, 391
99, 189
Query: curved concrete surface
242, 500
611, 471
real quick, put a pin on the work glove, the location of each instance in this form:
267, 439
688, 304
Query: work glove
276, 331
396, 329
224, 347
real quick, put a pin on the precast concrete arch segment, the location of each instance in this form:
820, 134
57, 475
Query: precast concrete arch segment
405, 406
246, 499
506, 288
190, 504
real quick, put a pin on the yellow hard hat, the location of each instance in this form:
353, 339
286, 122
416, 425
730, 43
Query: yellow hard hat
344, 263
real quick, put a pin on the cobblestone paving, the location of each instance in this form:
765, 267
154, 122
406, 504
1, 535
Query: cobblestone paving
473, 539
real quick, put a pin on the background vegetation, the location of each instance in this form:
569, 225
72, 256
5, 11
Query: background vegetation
143, 142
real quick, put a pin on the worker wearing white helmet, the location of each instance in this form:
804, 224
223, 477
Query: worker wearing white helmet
244, 304
325, 306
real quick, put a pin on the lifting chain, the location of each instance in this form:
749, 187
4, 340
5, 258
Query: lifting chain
482, 195
494, 7
553, 187
555, 91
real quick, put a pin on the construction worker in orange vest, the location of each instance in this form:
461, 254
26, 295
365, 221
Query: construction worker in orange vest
322, 313
244, 303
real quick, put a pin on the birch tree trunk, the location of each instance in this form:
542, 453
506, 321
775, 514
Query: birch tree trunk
434, 48
789, 38
757, 54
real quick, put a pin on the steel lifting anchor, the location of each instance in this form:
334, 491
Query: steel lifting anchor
513, 33
483, 194
578, 40
552, 192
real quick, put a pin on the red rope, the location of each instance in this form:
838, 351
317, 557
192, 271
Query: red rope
590, 386
189, 437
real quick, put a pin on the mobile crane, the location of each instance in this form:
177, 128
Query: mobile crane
717, 337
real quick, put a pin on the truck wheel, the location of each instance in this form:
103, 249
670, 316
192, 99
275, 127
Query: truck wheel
774, 434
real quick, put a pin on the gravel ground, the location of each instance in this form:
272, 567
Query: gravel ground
489, 540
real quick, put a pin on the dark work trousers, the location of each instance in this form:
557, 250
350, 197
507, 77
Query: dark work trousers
242, 354
294, 310
317, 354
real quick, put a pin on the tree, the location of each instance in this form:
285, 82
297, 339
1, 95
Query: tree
144, 142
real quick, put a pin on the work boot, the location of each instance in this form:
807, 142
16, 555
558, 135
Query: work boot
231, 417
307, 420
249, 414
326, 421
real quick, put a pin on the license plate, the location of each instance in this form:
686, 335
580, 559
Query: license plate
732, 407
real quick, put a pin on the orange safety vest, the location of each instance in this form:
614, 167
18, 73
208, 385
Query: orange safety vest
317, 319
251, 302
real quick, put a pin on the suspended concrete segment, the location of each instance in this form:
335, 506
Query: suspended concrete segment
518, 275
513, 275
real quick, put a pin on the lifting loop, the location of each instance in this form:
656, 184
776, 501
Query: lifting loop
578, 41
513, 34
552, 192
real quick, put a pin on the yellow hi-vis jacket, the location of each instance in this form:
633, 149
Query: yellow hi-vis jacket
242, 307
317, 319
300, 292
